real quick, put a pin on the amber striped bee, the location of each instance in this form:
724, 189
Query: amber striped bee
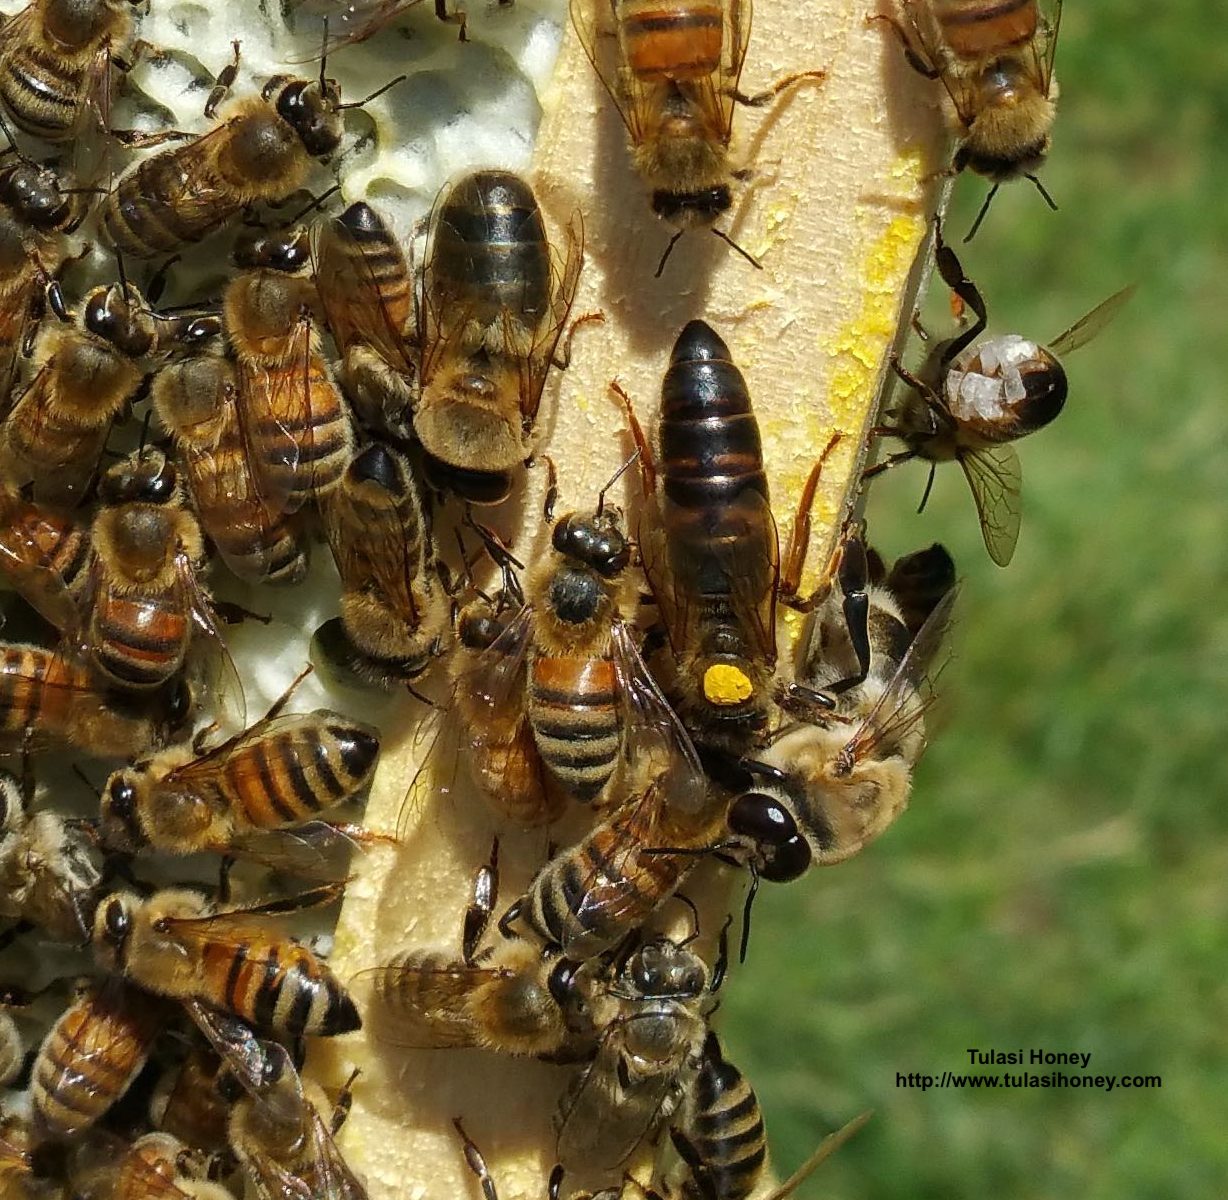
709, 547
47, 877
85, 374
295, 420
673, 72
196, 400
178, 944
970, 399
44, 556
825, 788
495, 299
367, 291
995, 61
283, 771
277, 1129
55, 63
393, 612
261, 153
38, 207
92, 1055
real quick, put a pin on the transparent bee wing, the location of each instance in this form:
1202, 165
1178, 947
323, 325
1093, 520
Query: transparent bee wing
437, 1018
209, 660
717, 98
655, 744
360, 21
595, 24
1087, 327
333, 1178
995, 477
1044, 45
564, 275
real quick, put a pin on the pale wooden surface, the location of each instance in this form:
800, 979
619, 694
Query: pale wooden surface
836, 215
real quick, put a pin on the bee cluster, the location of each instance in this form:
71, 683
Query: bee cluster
152, 455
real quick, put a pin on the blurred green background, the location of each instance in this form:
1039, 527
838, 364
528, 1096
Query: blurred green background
1061, 879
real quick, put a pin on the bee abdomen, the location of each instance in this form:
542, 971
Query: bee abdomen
139, 221
573, 707
979, 28
41, 93
724, 1127
139, 641
491, 247
678, 40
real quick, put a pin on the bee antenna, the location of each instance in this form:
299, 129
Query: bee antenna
746, 254
85, 779
929, 487
613, 480
751, 893
140, 448
1040, 187
993, 191
8, 135
378, 92
123, 275
668, 251
316, 203
323, 53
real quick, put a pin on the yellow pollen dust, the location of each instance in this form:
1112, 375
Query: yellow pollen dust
726, 685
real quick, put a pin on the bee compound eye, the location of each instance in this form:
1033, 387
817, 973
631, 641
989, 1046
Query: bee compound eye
562, 982
762, 818
116, 922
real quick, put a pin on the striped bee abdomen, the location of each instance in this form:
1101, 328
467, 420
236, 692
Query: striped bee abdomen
671, 39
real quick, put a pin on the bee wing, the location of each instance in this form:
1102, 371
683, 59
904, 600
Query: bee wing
441, 319
333, 1177
606, 1114
437, 1019
628, 94
1087, 327
995, 477
245, 927
655, 744
272, 1181
910, 694
354, 305
716, 97
362, 22
28, 538
317, 851
16, 319
211, 665
235, 1043
1044, 54
564, 275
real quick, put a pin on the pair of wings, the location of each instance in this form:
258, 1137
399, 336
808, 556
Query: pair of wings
252, 1061
637, 102
994, 474
443, 323
352, 21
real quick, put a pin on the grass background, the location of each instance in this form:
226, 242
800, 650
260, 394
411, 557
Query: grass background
1061, 880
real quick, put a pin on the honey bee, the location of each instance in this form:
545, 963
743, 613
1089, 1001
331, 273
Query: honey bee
824, 789
970, 400
196, 400
276, 1128
709, 547
47, 877
652, 1028
494, 302
37, 208
92, 1055
52, 695
178, 944
44, 556
393, 613
85, 373
55, 60
156, 1166
283, 771
366, 289
295, 420
674, 81
996, 63
261, 153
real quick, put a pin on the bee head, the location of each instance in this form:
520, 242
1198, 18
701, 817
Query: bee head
286, 250
663, 969
118, 314
113, 920
35, 194
146, 476
595, 541
121, 826
781, 853
312, 108
692, 210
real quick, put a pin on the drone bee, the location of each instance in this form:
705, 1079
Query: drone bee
295, 420
996, 63
47, 877
393, 613
92, 1055
55, 61
283, 771
494, 303
971, 399
674, 80
367, 292
178, 944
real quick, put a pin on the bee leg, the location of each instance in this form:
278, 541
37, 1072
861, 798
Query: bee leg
920, 64
648, 466
720, 968
235, 614
700, 1175
563, 360
477, 1163
759, 99
141, 139
223, 83
552, 488
554, 1187
853, 577
799, 539
345, 1101
482, 905
510, 917
459, 17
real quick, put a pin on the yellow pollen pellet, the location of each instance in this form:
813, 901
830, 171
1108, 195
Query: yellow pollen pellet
724, 684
